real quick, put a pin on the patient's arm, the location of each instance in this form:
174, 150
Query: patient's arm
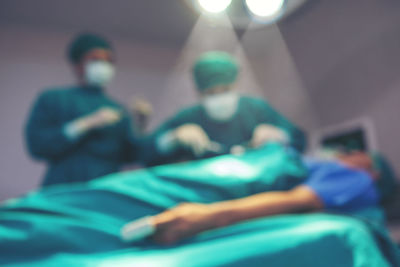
189, 219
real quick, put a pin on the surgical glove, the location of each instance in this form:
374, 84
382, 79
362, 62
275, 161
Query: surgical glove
101, 118
191, 136
265, 133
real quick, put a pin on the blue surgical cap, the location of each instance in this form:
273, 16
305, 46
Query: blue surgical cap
214, 68
85, 42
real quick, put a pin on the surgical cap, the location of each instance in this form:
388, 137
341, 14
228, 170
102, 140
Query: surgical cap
214, 68
83, 43
387, 179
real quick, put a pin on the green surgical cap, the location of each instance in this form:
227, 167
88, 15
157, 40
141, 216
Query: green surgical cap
83, 43
387, 179
214, 68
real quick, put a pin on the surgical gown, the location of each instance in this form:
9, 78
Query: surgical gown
96, 153
237, 131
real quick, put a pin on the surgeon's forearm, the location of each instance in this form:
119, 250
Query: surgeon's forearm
75, 129
166, 143
265, 204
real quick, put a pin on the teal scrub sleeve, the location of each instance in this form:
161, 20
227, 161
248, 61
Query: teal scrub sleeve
267, 114
150, 154
133, 144
45, 135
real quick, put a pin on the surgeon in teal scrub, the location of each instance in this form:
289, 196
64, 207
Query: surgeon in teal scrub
79, 130
223, 121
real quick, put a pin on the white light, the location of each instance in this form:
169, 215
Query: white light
265, 8
214, 6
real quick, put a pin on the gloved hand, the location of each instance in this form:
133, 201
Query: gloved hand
188, 135
102, 117
265, 133
141, 110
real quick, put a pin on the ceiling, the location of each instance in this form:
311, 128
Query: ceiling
165, 21
153, 20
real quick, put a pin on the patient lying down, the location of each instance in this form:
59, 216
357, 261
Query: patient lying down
344, 184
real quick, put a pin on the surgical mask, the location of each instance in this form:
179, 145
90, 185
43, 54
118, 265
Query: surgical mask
99, 73
221, 107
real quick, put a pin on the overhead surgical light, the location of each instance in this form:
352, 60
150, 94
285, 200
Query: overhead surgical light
214, 6
244, 14
265, 8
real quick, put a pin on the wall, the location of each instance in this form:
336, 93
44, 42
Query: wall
32, 58
337, 60
348, 54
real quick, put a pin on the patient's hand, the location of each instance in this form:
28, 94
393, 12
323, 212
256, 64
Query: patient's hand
189, 219
183, 221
